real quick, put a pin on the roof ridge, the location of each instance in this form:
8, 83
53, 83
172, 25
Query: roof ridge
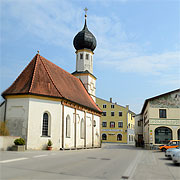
50, 76
32, 80
17, 77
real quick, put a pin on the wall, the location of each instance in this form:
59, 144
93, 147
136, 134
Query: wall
37, 107
6, 142
2, 110
17, 116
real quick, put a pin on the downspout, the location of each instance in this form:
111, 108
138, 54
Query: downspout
62, 126
84, 129
75, 130
93, 130
5, 110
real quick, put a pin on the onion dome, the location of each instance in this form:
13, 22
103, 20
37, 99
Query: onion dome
84, 39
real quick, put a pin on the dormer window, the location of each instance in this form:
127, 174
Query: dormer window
87, 56
81, 56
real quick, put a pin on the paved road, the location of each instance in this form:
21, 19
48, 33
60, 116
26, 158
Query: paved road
113, 161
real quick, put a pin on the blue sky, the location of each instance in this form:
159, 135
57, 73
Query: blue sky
138, 43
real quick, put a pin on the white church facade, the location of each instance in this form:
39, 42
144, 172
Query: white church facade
46, 102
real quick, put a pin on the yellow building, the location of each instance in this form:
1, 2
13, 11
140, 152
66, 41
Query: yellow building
117, 122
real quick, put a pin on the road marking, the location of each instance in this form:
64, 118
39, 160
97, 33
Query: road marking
132, 167
43, 155
12, 160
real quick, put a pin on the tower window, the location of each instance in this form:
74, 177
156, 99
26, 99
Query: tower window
81, 56
87, 56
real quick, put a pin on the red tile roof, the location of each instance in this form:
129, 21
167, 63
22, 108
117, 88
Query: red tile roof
42, 77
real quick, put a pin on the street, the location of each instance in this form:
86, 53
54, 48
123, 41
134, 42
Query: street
112, 161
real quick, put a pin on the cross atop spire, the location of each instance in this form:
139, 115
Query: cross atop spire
86, 9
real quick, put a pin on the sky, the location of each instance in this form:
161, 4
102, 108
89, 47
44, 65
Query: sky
138, 43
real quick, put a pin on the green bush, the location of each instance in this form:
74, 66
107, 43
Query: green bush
49, 142
19, 141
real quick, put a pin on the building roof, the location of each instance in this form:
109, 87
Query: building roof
84, 39
44, 78
152, 98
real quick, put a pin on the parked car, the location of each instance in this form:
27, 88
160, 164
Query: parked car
171, 144
176, 158
170, 152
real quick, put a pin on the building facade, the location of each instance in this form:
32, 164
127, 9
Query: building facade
160, 117
117, 122
46, 102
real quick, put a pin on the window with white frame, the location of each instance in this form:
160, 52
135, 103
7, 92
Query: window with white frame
104, 105
120, 113
104, 124
112, 113
45, 125
112, 124
120, 124
68, 126
81, 56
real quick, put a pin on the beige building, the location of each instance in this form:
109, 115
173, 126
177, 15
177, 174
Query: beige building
117, 122
159, 120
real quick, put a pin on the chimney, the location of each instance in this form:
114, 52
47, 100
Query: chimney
110, 100
127, 106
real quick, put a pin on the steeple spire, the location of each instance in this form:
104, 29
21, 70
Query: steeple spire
85, 25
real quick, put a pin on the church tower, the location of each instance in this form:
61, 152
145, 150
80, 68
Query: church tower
85, 43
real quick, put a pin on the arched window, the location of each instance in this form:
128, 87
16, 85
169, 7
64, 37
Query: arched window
104, 137
68, 126
163, 135
45, 125
119, 137
82, 129
178, 134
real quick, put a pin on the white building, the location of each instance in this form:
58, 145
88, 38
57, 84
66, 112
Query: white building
46, 102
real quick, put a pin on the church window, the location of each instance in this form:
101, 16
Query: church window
68, 126
82, 129
87, 56
45, 125
81, 56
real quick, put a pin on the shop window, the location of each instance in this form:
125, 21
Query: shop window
104, 137
119, 137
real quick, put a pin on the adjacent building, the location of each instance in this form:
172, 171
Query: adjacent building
117, 122
46, 102
159, 120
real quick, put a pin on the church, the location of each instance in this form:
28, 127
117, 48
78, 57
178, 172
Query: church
46, 102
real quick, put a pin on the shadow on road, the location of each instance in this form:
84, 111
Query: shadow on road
172, 164
120, 146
